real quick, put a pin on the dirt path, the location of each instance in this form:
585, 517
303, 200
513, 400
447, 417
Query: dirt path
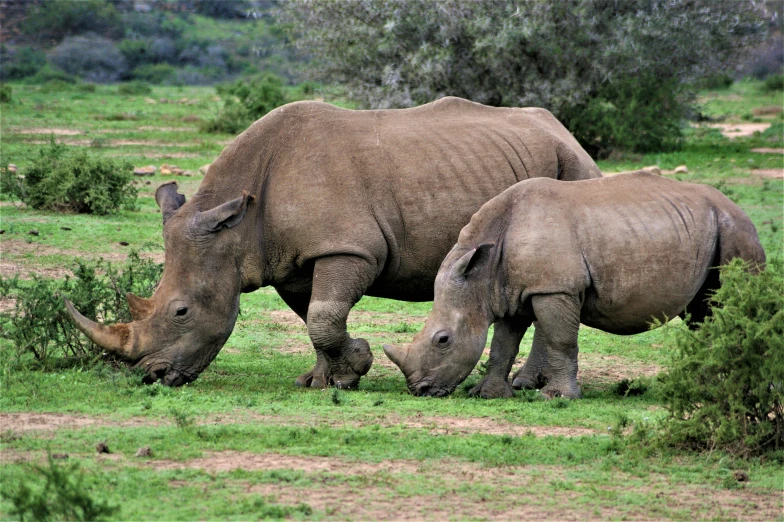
435, 425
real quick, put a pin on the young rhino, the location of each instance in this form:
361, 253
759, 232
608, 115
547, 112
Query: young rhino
612, 253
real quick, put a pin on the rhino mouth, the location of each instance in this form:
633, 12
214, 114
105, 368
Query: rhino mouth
429, 389
166, 374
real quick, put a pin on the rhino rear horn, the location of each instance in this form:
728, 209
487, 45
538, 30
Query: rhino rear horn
223, 216
140, 308
168, 199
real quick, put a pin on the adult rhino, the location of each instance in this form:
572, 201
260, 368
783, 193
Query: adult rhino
326, 205
611, 253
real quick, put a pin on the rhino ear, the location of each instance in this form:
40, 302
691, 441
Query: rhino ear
472, 260
224, 216
168, 199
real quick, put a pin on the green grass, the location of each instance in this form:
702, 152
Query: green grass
246, 401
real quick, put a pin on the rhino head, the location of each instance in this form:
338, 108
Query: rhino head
447, 349
178, 331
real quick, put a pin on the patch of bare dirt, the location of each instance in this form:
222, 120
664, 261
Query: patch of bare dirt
478, 425
770, 110
15, 247
25, 422
47, 130
769, 173
107, 143
736, 130
606, 369
166, 129
157, 155
6, 304
766, 150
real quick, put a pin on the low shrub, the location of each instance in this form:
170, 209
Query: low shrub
6, 93
725, 385
245, 101
65, 494
49, 75
135, 88
774, 82
39, 324
60, 179
155, 74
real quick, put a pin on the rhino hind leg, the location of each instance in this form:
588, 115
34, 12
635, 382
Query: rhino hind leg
533, 374
558, 317
699, 308
507, 335
338, 283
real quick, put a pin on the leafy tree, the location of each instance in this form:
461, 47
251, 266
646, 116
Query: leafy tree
245, 101
587, 61
90, 57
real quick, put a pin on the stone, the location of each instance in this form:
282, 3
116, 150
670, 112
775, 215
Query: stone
653, 169
102, 448
681, 169
149, 170
12, 168
204, 168
144, 452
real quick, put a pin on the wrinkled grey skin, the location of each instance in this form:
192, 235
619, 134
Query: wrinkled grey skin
327, 205
611, 253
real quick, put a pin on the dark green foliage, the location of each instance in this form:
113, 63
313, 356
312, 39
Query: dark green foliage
245, 101
630, 388
632, 113
60, 179
20, 62
774, 82
6, 93
64, 495
135, 88
725, 385
57, 19
50, 75
154, 73
39, 324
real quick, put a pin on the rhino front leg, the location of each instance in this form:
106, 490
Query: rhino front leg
558, 316
507, 335
338, 283
533, 374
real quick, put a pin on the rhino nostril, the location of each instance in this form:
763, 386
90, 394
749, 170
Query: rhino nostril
421, 389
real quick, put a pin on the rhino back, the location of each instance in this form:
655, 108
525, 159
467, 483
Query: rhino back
633, 245
390, 186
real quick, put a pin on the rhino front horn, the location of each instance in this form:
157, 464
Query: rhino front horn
116, 339
396, 355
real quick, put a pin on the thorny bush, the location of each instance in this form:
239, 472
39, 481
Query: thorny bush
39, 325
725, 385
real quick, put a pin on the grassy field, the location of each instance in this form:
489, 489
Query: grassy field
243, 442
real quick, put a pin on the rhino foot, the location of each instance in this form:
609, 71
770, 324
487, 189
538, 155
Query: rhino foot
343, 371
489, 388
569, 391
526, 380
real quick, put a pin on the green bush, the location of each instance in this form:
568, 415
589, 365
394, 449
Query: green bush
60, 179
153, 73
5, 93
40, 326
632, 113
48, 75
725, 385
64, 495
20, 62
774, 82
135, 88
245, 101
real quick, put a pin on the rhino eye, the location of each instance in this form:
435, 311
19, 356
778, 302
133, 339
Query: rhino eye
442, 338
181, 311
